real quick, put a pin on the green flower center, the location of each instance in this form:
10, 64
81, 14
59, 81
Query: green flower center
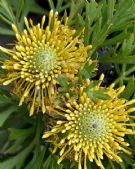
93, 125
44, 60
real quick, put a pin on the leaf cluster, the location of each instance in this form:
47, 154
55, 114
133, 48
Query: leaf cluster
109, 26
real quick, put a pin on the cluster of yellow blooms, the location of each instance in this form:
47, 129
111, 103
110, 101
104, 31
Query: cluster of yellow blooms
87, 129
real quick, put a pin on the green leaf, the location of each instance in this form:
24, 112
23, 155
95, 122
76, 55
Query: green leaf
100, 94
37, 9
5, 4
128, 159
40, 158
75, 9
7, 21
129, 90
18, 160
93, 10
122, 15
63, 81
25, 11
128, 45
37, 161
20, 6
114, 40
92, 85
5, 100
66, 164
6, 31
5, 113
88, 70
112, 164
20, 133
51, 163
13, 148
119, 59
110, 9
122, 166
48, 162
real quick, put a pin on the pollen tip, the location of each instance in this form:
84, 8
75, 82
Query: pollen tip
3, 67
44, 112
121, 160
25, 18
56, 13
90, 46
51, 12
14, 28
112, 85
2, 48
13, 25
58, 162
31, 113
101, 77
44, 136
127, 144
88, 81
4, 83
61, 153
43, 18
20, 104
124, 86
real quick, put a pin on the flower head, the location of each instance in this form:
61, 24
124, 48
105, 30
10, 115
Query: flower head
40, 55
90, 129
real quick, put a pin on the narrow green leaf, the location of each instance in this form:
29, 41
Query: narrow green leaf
110, 9
19, 9
122, 166
119, 59
48, 162
19, 133
51, 163
25, 11
4, 114
6, 31
18, 160
37, 9
88, 70
92, 85
75, 8
129, 90
37, 161
5, 4
115, 39
128, 159
98, 95
5, 20
63, 81
51, 4
5, 100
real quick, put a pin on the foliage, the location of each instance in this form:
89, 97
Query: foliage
109, 27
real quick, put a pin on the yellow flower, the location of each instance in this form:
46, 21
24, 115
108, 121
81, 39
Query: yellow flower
90, 129
40, 55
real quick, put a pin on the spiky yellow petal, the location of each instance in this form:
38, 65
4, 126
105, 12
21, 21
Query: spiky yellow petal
41, 54
90, 129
